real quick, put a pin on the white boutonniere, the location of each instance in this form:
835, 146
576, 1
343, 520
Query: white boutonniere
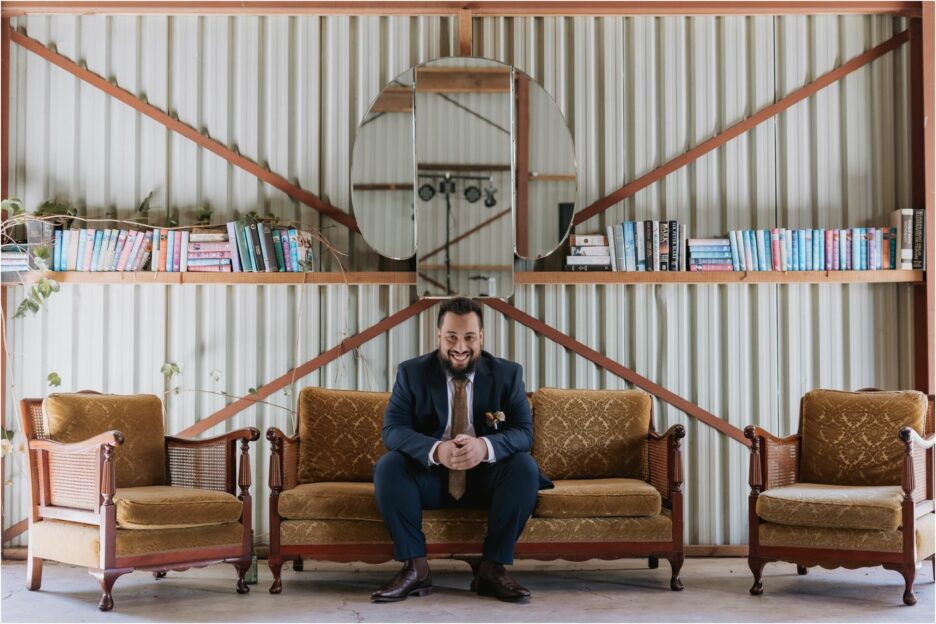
494, 418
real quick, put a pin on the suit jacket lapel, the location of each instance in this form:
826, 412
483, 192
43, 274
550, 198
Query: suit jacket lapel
482, 399
438, 392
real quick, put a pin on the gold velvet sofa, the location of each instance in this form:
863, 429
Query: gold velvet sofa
853, 488
618, 484
112, 493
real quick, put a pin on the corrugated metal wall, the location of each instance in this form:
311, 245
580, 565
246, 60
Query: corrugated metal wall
636, 91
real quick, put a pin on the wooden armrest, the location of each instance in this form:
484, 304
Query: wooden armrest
251, 434
665, 460
112, 438
284, 460
774, 460
909, 436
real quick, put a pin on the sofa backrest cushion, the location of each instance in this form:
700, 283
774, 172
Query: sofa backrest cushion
340, 434
141, 459
591, 434
850, 438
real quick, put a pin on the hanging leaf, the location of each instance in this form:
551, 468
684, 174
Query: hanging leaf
215, 374
170, 369
144, 206
54, 380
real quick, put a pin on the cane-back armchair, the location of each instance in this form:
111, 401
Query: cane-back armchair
112, 493
852, 488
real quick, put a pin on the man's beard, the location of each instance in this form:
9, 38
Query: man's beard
448, 367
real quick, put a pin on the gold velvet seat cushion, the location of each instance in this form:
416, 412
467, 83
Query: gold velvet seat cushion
850, 438
340, 434
80, 544
591, 434
460, 526
174, 507
585, 498
141, 459
329, 501
875, 540
834, 506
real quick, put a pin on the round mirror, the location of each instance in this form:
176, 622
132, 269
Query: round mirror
467, 163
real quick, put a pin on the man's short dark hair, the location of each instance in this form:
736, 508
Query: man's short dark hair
460, 306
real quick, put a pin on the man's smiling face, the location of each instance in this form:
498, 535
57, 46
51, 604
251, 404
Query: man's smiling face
460, 338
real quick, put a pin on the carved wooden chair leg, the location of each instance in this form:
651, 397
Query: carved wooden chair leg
276, 567
298, 565
653, 562
159, 575
757, 569
676, 561
801, 570
33, 573
107, 578
242, 567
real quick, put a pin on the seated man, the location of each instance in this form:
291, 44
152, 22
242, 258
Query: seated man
444, 452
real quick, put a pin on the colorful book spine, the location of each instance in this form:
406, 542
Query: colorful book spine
294, 249
183, 251
287, 257
775, 249
630, 246
269, 260
648, 244
673, 247
254, 236
663, 233
640, 245
57, 251
735, 259
609, 232
118, 249
154, 255
145, 251
893, 247
163, 248
878, 249
111, 248
232, 246
177, 251
135, 251
202, 262
79, 261
96, 255
918, 261
225, 268
127, 248
617, 242
278, 249
849, 265
170, 249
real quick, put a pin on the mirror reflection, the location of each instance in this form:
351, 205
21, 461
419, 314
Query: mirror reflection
468, 163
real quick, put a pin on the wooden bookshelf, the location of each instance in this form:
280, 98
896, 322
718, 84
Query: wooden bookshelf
533, 277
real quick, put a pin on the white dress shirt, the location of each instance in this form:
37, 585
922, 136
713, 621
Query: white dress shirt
447, 434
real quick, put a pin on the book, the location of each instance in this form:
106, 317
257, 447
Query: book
170, 249
232, 246
74, 235
902, 223
127, 248
210, 254
673, 248
90, 234
585, 240
135, 251
163, 248
57, 251
657, 242
735, 260
203, 262
610, 248
183, 250
177, 251
294, 249
918, 259
145, 250
761, 250
710, 267
306, 254
620, 263
749, 251
604, 250
96, 250
254, 236
213, 246
648, 245
630, 245
226, 268
277, 236
154, 251
588, 267
287, 256
118, 249
591, 260
640, 246
79, 260
775, 249
663, 232
893, 247
206, 235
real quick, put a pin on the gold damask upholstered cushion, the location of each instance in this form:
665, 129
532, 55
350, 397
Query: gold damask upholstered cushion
850, 438
340, 434
174, 507
141, 460
79, 544
584, 498
835, 506
591, 434
875, 540
329, 500
470, 526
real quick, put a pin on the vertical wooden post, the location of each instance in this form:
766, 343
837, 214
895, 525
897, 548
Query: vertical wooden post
922, 162
464, 32
523, 164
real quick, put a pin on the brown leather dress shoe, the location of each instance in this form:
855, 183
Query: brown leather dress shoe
413, 579
493, 580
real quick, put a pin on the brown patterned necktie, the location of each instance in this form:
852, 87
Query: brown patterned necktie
456, 484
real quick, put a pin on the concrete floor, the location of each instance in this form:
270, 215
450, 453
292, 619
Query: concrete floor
716, 590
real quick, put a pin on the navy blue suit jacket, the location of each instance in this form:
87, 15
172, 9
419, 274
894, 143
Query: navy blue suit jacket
418, 410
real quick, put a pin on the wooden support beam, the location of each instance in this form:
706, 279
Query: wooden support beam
740, 128
522, 231
496, 8
394, 100
621, 371
291, 376
464, 32
14, 530
122, 95
463, 80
